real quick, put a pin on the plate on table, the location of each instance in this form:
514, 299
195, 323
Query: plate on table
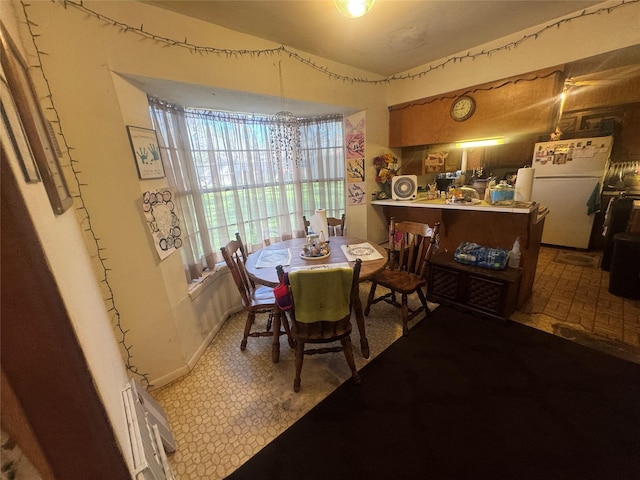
321, 257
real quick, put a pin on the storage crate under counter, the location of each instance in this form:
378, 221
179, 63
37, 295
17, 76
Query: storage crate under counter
483, 291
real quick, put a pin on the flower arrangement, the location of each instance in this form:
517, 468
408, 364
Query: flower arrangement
386, 168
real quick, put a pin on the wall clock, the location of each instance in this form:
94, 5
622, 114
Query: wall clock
462, 108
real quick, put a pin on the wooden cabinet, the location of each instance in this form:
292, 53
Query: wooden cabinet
521, 105
516, 155
623, 122
484, 226
484, 291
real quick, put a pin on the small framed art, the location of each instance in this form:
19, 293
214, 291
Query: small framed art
146, 152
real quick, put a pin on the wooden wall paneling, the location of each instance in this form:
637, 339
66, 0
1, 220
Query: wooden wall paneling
629, 139
511, 107
617, 90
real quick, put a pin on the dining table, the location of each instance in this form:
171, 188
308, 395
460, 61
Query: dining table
261, 268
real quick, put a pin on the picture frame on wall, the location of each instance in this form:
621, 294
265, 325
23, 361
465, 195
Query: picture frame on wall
14, 138
34, 126
146, 152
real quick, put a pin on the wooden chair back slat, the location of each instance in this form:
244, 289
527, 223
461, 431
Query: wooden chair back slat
411, 245
232, 255
254, 300
429, 251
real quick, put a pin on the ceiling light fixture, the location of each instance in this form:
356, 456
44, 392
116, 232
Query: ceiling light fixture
353, 8
285, 133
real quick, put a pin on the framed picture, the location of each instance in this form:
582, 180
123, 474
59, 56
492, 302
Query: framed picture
14, 138
34, 126
146, 153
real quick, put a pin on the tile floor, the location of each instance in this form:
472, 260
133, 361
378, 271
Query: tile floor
233, 403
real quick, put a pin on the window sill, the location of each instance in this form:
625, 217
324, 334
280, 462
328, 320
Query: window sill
208, 278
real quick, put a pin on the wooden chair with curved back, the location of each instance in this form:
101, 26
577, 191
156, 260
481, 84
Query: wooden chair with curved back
255, 298
411, 245
335, 225
322, 301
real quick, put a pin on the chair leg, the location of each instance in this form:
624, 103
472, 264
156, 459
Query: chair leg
423, 300
251, 316
405, 315
275, 346
287, 329
348, 354
372, 294
299, 360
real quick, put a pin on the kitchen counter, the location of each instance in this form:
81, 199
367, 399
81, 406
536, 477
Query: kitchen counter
482, 223
520, 207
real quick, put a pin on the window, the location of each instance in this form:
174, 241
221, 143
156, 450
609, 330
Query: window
249, 174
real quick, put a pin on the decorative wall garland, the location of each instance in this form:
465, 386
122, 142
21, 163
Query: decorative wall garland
437, 98
325, 70
83, 214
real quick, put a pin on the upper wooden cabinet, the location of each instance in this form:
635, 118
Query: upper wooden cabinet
517, 106
613, 87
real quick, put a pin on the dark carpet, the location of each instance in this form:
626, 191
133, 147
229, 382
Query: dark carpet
467, 398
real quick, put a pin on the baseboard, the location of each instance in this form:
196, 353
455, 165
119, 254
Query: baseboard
156, 383
209, 338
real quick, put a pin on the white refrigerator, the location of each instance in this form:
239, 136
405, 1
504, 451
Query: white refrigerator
568, 180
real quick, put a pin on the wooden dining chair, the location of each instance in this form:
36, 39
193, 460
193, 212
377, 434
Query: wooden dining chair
411, 245
335, 225
322, 302
255, 298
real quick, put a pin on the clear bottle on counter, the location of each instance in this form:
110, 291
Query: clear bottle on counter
514, 254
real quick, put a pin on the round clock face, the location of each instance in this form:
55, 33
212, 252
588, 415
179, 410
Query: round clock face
462, 108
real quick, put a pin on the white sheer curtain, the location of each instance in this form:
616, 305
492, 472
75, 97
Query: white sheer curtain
230, 176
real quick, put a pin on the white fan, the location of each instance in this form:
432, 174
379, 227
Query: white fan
404, 187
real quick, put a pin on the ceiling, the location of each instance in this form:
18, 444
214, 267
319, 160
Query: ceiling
395, 36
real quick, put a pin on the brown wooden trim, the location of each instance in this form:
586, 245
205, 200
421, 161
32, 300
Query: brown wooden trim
43, 362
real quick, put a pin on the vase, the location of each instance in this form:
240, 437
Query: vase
385, 192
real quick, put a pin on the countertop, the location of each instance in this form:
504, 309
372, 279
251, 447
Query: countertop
522, 207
